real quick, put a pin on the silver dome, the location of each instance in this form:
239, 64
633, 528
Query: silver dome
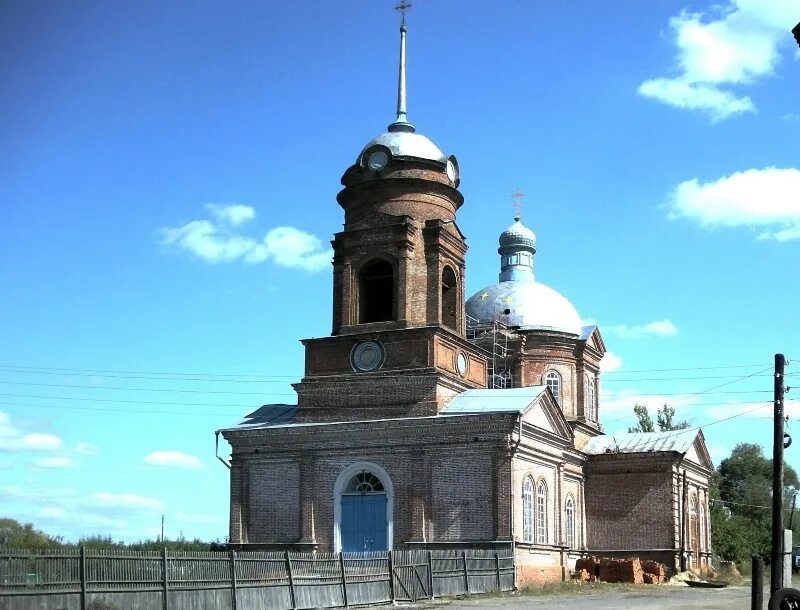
407, 144
517, 235
530, 305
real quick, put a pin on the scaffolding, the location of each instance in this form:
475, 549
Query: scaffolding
493, 338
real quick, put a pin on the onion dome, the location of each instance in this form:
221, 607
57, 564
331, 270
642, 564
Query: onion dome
517, 235
518, 300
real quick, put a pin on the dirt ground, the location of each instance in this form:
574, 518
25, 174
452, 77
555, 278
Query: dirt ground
636, 598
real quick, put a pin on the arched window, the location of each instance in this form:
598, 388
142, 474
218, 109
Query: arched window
363, 483
553, 381
527, 511
376, 292
591, 405
569, 522
541, 513
449, 297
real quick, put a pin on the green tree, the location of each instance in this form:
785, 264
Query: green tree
741, 510
25, 536
645, 421
665, 418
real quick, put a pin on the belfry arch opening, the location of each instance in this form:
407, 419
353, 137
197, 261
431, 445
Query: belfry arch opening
376, 292
449, 297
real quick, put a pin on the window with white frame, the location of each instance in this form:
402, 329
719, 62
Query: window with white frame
527, 511
569, 522
541, 513
591, 404
553, 381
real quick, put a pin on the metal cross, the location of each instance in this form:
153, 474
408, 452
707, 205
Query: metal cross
517, 197
402, 8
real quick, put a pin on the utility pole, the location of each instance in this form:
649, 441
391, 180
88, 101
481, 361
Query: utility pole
776, 563
162, 528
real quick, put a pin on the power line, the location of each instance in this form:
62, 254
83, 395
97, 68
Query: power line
20, 368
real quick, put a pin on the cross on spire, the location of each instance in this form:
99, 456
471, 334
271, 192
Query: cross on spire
517, 196
402, 8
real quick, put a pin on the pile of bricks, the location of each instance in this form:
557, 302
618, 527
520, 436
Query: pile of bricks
618, 570
653, 572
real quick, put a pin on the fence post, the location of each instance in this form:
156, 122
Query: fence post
430, 572
83, 577
233, 580
497, 566
466, 572
391, 575
344, 579
291, 579
165, 580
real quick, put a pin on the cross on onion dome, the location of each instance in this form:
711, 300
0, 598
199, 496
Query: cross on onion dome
517, 196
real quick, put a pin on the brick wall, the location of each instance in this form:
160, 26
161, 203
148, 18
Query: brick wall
463, 499
273, 488
629, 501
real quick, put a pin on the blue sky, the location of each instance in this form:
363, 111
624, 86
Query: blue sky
168, 192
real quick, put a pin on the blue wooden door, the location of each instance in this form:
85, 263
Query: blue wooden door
363, 525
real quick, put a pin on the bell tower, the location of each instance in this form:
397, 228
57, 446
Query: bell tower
397, 346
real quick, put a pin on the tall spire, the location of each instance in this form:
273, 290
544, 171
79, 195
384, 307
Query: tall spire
401, 123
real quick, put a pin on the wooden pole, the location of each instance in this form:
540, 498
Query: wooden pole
83, 577
466, 572
430, 573
776, 556
344, 579
757, 586
165, 580
391, 575
291, 579
233, 580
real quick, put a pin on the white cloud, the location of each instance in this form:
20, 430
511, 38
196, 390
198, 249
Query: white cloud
124, 501
54, 462
657, 328
233, 215
610, 362
84, 448
218, 242
737, 47
53, 512
290, 247
174, 459
12, 439
192, 518
766, 199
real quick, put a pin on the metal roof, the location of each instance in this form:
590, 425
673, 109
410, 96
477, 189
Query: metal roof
494, 400
407, 144
679, 441
269, 415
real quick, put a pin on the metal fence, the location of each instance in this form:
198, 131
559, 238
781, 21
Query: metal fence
80, 579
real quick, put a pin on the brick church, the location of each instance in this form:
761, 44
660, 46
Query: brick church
428, 421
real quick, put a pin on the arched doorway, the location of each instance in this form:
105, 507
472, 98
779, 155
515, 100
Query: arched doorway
363, 498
